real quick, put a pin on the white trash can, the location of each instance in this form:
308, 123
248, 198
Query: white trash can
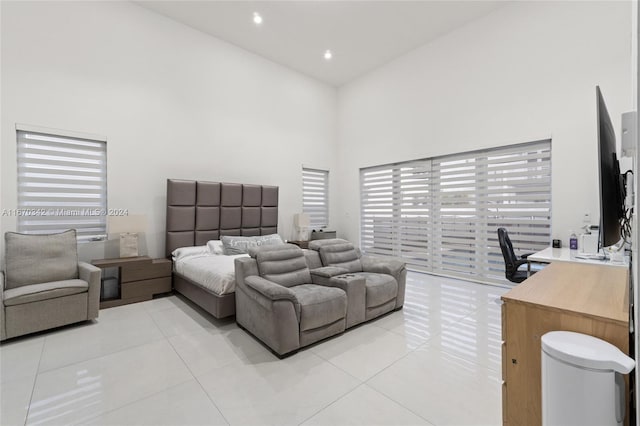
582, 382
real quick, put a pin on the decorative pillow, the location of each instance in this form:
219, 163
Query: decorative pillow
215, 247
241, 245
182, 252
38, 259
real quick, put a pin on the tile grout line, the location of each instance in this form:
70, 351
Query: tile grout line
402, 405
81, 421
35, 380
193, 377
135, 345
192, 373
365, 382
332, 402
391, 399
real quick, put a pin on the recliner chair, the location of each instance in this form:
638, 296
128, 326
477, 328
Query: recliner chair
278, 301
512, 262
44, 286
374, 286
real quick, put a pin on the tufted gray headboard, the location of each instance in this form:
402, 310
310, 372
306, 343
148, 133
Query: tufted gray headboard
199, 211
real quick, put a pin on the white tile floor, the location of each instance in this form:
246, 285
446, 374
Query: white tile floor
165, 362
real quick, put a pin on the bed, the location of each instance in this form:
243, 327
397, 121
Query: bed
201, 211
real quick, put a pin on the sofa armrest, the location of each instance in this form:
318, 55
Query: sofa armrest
382, 266
91, 274
328, 271
391, 267
270, 290
355, 287
348, 282
3, 331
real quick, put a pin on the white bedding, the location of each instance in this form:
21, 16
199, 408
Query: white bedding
214, 272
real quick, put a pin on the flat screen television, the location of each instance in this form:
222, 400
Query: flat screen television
611, 183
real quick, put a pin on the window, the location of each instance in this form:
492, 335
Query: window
441, 215
62, 184
315, 197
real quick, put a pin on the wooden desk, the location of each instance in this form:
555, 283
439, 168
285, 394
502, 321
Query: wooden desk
585, 298
564, 254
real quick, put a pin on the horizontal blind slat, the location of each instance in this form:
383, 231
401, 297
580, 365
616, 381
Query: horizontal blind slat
441, 214
315, 196
62, 184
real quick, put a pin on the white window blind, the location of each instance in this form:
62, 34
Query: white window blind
315, 197
441, 215
396, 211
62, 184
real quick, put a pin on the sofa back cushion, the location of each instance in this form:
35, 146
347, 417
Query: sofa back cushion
342, 254
283, 264
37, 259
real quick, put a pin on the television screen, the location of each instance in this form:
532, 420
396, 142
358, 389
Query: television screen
611, 189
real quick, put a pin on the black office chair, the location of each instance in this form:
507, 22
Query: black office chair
511, 261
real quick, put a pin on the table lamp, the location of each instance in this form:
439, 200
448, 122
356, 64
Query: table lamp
128, 228
301, 223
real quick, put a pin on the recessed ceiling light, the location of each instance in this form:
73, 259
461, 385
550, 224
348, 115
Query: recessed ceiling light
328, 55
257, 19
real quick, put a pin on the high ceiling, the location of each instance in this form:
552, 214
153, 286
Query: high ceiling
362, 35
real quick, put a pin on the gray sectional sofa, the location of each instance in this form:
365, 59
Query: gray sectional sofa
290, 298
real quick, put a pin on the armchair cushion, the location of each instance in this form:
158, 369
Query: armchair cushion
38, 292
319, 305
37, 259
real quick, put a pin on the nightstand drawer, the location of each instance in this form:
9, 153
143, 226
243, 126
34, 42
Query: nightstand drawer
158, 268
145, 287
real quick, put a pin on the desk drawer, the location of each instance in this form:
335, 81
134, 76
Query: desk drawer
159, 268
145, 288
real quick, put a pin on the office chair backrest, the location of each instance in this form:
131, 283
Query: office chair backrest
507, 252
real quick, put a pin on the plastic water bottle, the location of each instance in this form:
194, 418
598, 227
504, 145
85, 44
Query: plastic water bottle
573, 241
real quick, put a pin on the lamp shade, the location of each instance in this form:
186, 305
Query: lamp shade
130, 223
301, 220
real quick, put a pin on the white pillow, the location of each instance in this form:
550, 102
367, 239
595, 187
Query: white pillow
241, 245
182, 252
215, 246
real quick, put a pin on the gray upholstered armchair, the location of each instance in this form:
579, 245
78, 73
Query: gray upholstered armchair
44, 286
279, 304
374, 286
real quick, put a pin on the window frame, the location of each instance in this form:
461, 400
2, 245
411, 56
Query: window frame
52, 163
315, 196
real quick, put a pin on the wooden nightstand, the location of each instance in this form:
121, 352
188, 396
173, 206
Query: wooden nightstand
138, 279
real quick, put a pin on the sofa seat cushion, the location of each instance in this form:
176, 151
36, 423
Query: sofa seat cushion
39, 292
319, 305
381, 288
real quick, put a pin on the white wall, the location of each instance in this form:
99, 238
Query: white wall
527, 71
635, 67
172, 102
